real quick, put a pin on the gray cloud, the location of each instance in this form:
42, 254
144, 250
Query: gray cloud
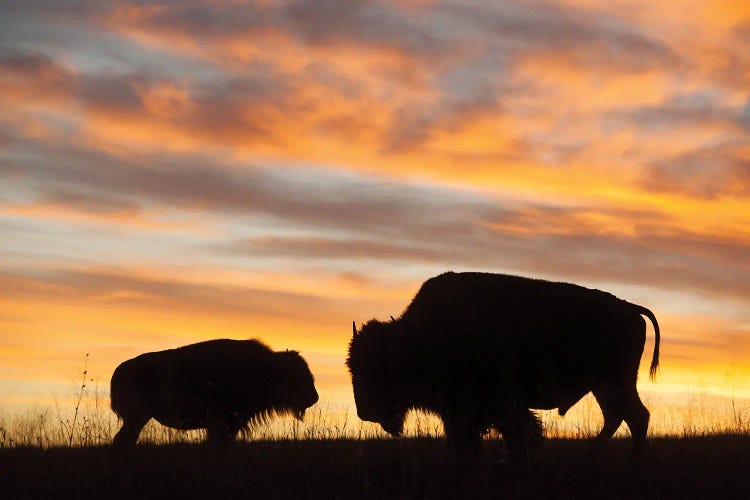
554, 244
414, 124
334, 249
230, 110
433, 32
35, 73
320, 22
365, 22
64, 8
385, 220
679, 111
706, 172
260, 106
586, 37
467, 53
95, 204
731, 62
714, 167
320, 198
666, 264
92, 287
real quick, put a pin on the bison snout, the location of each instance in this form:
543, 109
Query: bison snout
361, 415
393, 428
367, 417
311, 399
299, 413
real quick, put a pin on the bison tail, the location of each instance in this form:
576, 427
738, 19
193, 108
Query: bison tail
655, 357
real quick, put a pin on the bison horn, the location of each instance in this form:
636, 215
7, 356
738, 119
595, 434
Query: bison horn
393, 319
354, 328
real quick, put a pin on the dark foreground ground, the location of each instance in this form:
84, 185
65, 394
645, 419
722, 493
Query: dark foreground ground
706, 467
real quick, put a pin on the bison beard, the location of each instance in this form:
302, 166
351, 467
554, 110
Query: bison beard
219, 385
481, 350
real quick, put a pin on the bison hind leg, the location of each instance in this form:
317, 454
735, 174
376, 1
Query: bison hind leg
637, 417
621, 402
611, 402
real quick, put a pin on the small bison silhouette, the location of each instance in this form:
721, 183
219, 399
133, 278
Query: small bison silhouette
480, 350
219, 385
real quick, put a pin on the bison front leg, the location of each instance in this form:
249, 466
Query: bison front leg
127, 436
463, 435
223, 432
219, 435
522, 431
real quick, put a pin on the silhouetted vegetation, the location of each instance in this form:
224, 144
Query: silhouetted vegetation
330, 457
705, 467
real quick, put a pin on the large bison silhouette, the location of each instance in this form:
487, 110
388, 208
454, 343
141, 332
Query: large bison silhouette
480, 350
219, 385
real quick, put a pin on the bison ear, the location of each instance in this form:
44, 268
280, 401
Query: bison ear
354, 328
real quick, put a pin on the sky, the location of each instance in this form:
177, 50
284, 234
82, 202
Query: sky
176, 171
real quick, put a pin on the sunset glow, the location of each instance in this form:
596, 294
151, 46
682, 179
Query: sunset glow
197, 169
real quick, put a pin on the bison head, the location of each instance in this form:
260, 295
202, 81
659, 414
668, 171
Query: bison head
298, 392
373, 363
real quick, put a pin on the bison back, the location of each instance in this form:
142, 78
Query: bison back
547, 340
187, 383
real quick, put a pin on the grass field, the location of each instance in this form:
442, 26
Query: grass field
701, 467
703, 451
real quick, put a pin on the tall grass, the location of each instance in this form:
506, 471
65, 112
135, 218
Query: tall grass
88, 421
85, 419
